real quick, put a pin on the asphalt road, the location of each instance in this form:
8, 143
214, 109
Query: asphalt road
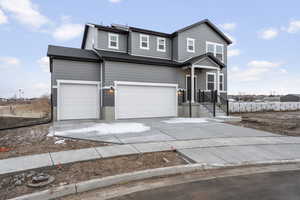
267, 186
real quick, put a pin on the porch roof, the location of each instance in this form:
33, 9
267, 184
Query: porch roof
195, 59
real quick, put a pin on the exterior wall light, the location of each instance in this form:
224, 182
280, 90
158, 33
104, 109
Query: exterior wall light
111, 90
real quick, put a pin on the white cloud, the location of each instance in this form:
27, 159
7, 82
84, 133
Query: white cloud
233, 52
229, 26
25, 12
67, 31
268, 34
256, 70
3, 18
284, 71
44, 63
115, 1
9, 63
42, 86
294, 26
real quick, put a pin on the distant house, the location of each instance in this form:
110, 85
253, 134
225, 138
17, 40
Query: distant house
271, 99
290, 98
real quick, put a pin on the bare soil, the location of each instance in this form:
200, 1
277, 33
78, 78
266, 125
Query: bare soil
283, 123
77, 172
34, 140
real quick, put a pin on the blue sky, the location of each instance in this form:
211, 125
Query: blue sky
263, 58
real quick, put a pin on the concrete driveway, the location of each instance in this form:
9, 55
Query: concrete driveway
153, 130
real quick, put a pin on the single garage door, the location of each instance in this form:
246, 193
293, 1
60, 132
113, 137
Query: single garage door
78, 101
145, 100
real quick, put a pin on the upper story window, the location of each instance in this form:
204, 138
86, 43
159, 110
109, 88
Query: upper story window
113, 41
216, 49
161, 44
144, 41
190, 45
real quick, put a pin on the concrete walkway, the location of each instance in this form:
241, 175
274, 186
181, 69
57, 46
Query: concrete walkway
209, 151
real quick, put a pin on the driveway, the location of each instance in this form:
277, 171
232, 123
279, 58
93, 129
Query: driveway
153, 130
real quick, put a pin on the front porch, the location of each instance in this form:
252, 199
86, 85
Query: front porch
208, 98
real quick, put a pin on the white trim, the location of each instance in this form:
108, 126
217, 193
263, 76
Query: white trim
187, 45
164, 43
150, 56
148, 43
215, 48
62, 81
109, 40
116, 83
205, 67
112, 50
196, 85
210, 73
54, 86
144, 84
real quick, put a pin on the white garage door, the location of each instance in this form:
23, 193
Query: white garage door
142, 100
78, 101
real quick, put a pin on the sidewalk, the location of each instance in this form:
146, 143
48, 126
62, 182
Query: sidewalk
210, 151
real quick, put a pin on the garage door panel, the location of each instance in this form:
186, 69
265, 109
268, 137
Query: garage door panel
145, 101
79, 101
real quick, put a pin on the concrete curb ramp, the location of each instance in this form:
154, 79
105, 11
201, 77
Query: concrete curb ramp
134, 176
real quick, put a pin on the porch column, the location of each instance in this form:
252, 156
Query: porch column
192, 84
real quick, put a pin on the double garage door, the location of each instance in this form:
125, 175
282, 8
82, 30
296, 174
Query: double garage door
132, 100
145, 100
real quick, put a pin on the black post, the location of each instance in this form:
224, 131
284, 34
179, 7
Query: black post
212, 96
190, 108
227, 111
183, 96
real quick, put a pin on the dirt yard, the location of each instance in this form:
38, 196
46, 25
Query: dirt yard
283, 123
34, 140
82, 171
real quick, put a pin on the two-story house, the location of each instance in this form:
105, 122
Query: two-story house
127, 72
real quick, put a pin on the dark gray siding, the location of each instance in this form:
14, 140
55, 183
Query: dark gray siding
152, 52
201, 34
75, 70
102, 42
119, 71
175, 48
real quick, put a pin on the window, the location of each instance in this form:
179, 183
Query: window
161, 44
190, 45
221, 86
144, 41
210, 81
113, 41
216, 49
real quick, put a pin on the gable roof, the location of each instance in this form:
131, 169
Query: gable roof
210, 24
115, 29
206, 55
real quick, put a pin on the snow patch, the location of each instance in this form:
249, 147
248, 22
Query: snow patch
186, 120
106, 129
61, 141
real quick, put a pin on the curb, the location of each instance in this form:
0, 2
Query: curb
93, 184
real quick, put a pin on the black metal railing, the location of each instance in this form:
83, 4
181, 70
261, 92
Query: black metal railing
222, 103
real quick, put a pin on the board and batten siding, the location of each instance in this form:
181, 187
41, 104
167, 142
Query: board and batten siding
201, 34
73, 70
152, 51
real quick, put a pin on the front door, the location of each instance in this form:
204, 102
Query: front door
188, 87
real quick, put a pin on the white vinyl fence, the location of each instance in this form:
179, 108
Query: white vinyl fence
236, 107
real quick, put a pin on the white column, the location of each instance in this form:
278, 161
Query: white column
192, 84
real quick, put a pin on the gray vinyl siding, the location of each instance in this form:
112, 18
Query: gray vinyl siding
75, 70
201, 34
152, 51
102, 41
89, 38
206, 62
119, 71
175, 48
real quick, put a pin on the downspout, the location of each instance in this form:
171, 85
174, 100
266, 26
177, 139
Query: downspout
51, 95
